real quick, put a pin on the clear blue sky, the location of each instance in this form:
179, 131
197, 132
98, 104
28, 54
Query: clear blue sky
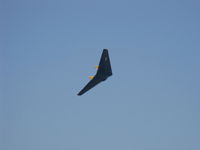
50, 47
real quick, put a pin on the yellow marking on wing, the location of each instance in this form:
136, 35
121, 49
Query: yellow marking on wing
91, 77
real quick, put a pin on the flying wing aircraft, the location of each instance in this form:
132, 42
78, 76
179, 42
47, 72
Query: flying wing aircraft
103, 72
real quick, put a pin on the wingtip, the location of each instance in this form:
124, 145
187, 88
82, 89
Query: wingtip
79, 94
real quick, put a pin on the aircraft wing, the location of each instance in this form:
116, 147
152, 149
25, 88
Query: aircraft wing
90, 85
104, 63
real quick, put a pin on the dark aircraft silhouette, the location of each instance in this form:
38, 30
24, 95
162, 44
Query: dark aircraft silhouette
103, 72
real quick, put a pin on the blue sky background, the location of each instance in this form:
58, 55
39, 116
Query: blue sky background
50, 47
